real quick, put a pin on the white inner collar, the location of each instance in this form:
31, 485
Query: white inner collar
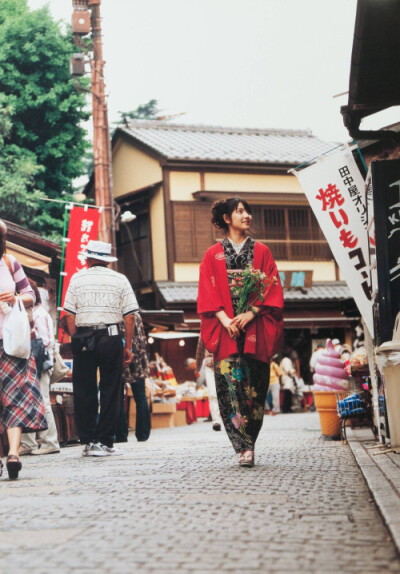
237, 246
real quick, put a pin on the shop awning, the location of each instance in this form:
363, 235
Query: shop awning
29, 258
168, 335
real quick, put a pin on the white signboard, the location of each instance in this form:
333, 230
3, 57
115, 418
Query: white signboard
334, 188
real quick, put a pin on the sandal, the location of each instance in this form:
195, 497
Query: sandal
246, 458
13, 466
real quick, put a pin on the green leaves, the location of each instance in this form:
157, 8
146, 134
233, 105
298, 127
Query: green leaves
250, 286
149, 111
40, 116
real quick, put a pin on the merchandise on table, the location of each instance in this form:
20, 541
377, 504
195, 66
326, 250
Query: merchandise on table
163, 382
352, 405
160, 370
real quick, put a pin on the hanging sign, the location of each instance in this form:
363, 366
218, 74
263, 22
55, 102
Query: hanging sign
83, 226
386, 198
334, 188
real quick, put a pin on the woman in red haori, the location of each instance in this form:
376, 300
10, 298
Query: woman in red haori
242, 344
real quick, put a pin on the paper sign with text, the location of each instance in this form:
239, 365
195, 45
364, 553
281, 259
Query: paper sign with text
334, 188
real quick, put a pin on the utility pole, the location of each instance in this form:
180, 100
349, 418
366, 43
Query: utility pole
84, 22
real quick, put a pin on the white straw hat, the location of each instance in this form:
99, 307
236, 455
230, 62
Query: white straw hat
99, 250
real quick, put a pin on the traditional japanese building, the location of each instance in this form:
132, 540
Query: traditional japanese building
168, 176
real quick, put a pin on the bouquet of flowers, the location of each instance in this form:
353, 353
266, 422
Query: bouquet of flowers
252, 285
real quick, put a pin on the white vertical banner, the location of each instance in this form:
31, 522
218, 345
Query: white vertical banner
334, 188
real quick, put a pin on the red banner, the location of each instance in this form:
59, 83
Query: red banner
83, 226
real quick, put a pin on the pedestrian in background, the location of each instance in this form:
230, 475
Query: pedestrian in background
42, 329
135, 375
242, 343
98, 301
274, 390
205, 364
288, 381
21, 403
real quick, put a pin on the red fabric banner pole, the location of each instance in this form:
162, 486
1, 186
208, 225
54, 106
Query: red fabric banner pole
83, 227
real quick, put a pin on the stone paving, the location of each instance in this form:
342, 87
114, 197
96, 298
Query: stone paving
180, 503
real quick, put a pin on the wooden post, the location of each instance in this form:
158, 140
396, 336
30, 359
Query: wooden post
101, 134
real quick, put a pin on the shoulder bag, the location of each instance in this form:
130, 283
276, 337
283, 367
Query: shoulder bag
39, 352
17, 332
60, 368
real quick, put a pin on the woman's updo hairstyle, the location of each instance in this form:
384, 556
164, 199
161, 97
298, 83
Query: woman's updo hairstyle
226, 207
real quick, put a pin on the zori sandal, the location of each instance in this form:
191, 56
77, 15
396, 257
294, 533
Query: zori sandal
247, 458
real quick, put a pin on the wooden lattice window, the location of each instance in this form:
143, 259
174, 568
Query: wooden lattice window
193, 232
292, 233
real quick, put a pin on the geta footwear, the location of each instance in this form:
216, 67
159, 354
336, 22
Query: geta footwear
42, 450
112, 450
93, 449
216, 427
23, 450
13, 466
246, 458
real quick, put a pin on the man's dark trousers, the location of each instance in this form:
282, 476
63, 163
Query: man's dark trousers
108, 357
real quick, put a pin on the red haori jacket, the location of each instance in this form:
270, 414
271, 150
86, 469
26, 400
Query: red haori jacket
264, 334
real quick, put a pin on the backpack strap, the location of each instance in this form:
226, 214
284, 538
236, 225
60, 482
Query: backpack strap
8, 263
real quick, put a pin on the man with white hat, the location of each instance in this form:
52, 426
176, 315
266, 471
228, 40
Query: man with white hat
98, 301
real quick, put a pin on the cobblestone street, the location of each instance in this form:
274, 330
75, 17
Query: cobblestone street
180, 503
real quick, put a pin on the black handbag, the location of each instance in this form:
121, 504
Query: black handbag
39, 352
82, 342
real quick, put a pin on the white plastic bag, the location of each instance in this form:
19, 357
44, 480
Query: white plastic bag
17, 332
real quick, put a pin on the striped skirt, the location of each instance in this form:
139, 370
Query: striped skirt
21, 402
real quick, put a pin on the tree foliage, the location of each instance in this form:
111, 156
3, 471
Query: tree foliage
42, 144
149, 111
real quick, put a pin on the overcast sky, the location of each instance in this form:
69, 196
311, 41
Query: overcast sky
239, 63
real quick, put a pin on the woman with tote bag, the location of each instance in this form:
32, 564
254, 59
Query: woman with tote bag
21, 403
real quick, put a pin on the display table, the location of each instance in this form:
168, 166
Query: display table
64, 415
202, 408
188, 404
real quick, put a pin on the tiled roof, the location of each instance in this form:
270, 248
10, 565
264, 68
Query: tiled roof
181, 293
333, 290
205, 143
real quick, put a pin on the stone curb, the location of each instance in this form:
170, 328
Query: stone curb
387, 498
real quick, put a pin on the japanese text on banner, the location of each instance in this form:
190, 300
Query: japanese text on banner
334, 189
83, 226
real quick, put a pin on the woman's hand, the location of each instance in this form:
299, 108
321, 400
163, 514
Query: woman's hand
8, 297
229, 324
243, 319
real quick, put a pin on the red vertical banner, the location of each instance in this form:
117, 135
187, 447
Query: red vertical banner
83, 227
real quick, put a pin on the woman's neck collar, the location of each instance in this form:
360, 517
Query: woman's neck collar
237, 237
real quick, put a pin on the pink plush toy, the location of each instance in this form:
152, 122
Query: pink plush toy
330, 374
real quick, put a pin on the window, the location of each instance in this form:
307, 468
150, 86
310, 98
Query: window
292, 233
193, 231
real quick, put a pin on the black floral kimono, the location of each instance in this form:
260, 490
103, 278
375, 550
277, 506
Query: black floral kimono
241, 381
